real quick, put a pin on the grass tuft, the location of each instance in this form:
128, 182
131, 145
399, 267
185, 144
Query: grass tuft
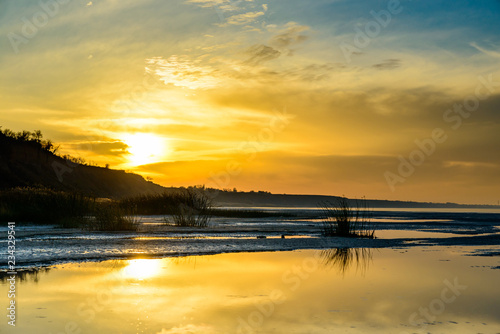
195, 209
191, 207
110, 217
343, 219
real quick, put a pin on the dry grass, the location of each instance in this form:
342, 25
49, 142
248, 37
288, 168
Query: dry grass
110, 217
195, 209
346, 219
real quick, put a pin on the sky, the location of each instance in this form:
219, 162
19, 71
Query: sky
389, 99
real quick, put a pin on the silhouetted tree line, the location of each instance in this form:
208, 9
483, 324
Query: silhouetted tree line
35, 137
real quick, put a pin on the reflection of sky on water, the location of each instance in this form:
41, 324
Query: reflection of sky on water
346, 290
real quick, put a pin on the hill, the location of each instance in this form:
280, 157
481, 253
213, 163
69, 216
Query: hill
265, 199
28, 161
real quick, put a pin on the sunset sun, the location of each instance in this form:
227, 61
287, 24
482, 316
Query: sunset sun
142, 268
145, 148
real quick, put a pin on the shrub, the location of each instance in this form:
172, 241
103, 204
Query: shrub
187, 207
194, 209
44, 206
346, 220
110, 217
69, 210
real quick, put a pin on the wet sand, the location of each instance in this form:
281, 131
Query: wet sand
39, 246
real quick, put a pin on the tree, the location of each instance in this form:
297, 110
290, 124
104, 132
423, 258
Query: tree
37, 136
23, 135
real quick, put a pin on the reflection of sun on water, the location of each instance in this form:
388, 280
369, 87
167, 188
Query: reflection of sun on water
145, 148
142, 269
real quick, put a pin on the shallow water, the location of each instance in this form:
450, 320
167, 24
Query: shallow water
394, 234
329, 291
47, 245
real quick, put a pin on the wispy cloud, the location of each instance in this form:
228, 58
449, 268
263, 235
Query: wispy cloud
388, 64
181, 71
260, 54
491, 53
189, 329
215, 3
208, 3
244, 18
290, 35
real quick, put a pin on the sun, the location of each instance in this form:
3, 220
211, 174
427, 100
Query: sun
145, 148
141, 269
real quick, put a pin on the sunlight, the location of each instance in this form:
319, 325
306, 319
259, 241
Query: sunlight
145, 148
141, 269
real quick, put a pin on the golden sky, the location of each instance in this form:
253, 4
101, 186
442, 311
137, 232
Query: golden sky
383, 99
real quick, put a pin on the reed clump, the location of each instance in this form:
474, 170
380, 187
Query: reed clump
111, 217
347, 218
191, 207
68, 210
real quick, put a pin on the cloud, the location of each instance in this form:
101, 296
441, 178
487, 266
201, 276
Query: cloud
261, 53
209, 3
313, 72
289, 36
244, 18
388, 64
225, 5
114, 148
181, 71
491, 53
251, 11
189, 329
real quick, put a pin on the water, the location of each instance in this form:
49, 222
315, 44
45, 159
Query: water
48, 245
428, 271
417, 290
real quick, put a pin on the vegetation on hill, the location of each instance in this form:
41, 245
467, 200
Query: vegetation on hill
34, 138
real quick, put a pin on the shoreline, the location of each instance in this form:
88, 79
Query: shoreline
42, 246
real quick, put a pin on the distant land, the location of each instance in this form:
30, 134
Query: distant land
265, 199
28, 161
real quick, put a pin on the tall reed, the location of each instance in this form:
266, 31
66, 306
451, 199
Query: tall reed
341, 218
